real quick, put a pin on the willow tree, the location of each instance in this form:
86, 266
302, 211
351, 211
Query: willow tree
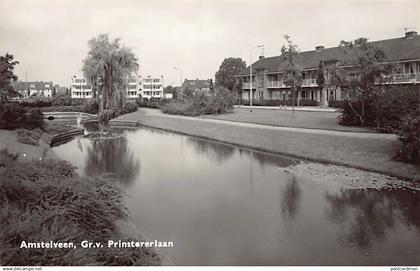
107, 68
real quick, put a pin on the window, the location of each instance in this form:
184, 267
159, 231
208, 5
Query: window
304, 96
156, 80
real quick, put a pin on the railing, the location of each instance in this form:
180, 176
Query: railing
275, 84
246, 85
309, 83
398, 78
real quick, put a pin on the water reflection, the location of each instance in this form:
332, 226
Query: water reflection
112, 156
223, 205
367, 216
290, 199
216, 151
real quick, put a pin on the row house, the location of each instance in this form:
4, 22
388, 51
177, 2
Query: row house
34, 89
197, 85
267, 76
137, 86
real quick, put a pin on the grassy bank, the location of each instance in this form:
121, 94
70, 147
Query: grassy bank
47, 201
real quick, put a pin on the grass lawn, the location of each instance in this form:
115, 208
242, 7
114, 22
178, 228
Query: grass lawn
286, 118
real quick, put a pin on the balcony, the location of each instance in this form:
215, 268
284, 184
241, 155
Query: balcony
246, 85
275, 84
309, 83
401, 78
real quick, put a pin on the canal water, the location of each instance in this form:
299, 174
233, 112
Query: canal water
223, 205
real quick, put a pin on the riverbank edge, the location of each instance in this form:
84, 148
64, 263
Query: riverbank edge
288, 154
125, 227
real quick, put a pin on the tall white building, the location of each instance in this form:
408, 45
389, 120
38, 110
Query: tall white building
152, 87
145, 87
80, 88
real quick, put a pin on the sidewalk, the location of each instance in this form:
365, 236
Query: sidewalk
289, 108
368, 151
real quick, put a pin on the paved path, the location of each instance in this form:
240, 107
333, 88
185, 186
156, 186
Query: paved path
289, 108
366, 151
157, 112
285, 118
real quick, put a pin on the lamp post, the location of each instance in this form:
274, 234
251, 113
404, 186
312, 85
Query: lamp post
250, 76
180, 74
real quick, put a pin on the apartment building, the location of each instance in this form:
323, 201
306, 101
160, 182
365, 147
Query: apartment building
80, 88
34, 89
267, 75
151, 87
138, 86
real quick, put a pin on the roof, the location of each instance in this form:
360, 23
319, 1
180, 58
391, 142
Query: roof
397, 49
196, 84
19, 85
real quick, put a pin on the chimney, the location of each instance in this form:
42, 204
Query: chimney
410, 34
261, 57
319, 48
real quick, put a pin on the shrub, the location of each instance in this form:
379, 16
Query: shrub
67, 108
302, 102
91, 107
336, 104
30, 137
349, 118
47, 200
409, 135
152, 103
14, 116
220, 101
66, 100
308, 102
34, 119
130, 107
36, 102
394, 104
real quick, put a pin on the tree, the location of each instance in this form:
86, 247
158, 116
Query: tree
229, 68
7, 77
321, 81
292, 67
107, 68
367, 71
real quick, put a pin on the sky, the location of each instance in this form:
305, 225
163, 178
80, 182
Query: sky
50, 38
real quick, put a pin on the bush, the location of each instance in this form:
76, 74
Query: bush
409, 135
34, 119
14, 116
108, 114
130, 107
62, 108
47, 200
66, 100
336, 104
30, 137
152, 103
220, 101
349, 118
37, 102
91, 107
302, 102
393, 105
